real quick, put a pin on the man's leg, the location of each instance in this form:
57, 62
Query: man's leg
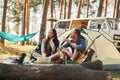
63, 53
76, 55
66, 52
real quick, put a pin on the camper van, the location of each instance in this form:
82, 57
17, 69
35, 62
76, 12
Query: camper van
107, 46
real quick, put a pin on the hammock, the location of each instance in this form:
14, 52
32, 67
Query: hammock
14, 38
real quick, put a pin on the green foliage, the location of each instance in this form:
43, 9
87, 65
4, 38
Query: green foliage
33, 43
114, 74
35, 2
2, 51
93, 1
15, 9
71, 62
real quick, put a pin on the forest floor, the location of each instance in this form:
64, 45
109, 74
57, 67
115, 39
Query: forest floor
26, 49
113, 75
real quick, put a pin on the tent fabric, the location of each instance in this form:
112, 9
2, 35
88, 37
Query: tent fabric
15, 38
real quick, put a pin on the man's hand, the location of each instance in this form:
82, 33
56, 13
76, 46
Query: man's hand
35, 55
67, 40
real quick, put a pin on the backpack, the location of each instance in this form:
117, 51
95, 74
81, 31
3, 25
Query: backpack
37, 50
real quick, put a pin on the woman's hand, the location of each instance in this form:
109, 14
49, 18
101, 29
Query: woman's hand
70, 54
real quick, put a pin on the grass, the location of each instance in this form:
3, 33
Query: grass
2, 51
26, 49
114, 75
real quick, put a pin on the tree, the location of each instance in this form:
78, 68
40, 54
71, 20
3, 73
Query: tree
44, 18
4, 17
65, 9
117, 9
15, 10
99, 11
61, 8
51, 5
79, 8
26, 19
105, 12
114, 10
69, 9
15, 14
88, 4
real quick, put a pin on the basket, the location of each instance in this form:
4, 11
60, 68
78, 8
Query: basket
43, 60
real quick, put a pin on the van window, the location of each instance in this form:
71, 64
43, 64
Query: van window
104, 26
79, 23
114, 24
96, 24
63, 25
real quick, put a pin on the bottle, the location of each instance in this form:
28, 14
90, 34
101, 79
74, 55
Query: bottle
65, 59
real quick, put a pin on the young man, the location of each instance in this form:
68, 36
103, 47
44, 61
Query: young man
77, 45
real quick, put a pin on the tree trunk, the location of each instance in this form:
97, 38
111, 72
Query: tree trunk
51, 5
69, 9
43, 1
24, 21
43, 23
50, 72
119, 14
105, 13
27, 18
88, 4
99, 12
4, 18
114, 10
65, 9
61, 8
54, 10
117, 9
79, 8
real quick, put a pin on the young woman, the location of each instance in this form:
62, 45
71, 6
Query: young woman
49, 46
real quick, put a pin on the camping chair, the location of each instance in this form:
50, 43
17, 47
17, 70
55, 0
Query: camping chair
87, 54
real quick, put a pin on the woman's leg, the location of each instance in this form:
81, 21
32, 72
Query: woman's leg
55, 56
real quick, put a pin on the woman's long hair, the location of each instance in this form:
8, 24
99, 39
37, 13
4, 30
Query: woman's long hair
55, 41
